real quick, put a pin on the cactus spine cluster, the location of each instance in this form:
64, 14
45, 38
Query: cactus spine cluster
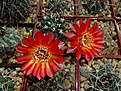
52, 23
9, 39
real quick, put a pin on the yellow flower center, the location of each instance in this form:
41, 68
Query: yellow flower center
86, 40
41, 54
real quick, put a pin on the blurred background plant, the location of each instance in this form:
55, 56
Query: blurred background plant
95, 5
63, 7
97, 8
14, 10
56, 6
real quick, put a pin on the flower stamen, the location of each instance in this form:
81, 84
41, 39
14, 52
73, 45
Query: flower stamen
86, 40
41, 54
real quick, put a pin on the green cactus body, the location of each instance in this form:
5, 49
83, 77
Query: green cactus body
105, 79
6, 84
10, 39
52, 23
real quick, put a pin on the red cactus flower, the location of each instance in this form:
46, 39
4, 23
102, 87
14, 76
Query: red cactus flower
42, 55
88, 40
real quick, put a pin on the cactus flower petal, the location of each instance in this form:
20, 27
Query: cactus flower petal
49, 70
69, 35
89, 40
51, 37
42, 55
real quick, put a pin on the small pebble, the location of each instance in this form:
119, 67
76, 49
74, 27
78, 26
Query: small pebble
14, 73
1, 61
82, 89
82, 78
82, 84
21, 74
17, 83
66, 84
108, 16
66, 70
17, 69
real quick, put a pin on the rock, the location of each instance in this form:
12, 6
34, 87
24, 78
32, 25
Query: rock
86, 12
119, 25
21, 74
20, 80
96, 66
105, 60
67, 77
10, 60
17, 83
15, 87
109, 60
73, 75
107, 43
23, 29
14, 61
68, 66
98, 60
66, 84
18, 88
82, 78
18, 69
119, 64
1, 61
24, 33
5, 71
114, 63
88, 68
114, 33
69, 0
90, 63
82, 89
14, 73
96, 15
72, 80
1, 69
66, 70
34, 11
101, 63
108, 16
72, 69
82, 84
